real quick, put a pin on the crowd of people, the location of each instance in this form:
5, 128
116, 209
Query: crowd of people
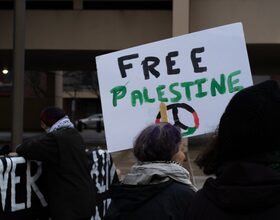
243, 160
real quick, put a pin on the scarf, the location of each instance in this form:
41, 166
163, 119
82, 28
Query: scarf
157, 172
62, 123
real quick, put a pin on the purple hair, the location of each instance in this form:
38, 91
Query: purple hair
157, 142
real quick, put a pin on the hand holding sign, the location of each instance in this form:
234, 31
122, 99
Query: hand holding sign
163, 112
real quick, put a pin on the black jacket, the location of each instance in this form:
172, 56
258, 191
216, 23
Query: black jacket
69, 186
242, 191
164, 201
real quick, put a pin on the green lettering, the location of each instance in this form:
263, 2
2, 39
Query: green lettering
118, 93
177, 94
231, 82
220, 87
136, 95
160, 93
146, 96
187, 86
199, 83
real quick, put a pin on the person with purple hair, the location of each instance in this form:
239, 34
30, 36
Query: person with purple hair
157, 187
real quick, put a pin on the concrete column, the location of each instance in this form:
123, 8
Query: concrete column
58, 89
78, 4
18, 71
181, 17
180, 26
180, 23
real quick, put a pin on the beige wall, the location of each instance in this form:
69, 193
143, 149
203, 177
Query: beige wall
181, 17
116, 29
260, 18
94, 29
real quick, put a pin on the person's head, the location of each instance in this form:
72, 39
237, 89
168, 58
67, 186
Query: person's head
249, 127
50, 115
157, 142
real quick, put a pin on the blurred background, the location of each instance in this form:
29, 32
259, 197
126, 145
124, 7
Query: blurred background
48, 50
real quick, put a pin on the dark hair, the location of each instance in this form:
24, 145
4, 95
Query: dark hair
50, 115
157, 142
248, 129
208, 160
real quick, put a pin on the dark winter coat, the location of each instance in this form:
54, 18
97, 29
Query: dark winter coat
243, 191
70, 191
163, 201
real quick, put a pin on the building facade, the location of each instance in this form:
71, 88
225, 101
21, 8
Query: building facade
63, 37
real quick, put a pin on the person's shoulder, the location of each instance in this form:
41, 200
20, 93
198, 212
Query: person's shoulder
201, 202
69, 135
181, 189
39, 137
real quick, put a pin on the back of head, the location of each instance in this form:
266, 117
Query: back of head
50, 115
157, 142
249, 126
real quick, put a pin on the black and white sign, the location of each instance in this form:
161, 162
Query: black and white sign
22, 189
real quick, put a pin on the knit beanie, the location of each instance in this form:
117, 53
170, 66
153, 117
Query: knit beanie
250, 124
50, 115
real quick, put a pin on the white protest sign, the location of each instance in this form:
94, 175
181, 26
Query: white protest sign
195, 75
